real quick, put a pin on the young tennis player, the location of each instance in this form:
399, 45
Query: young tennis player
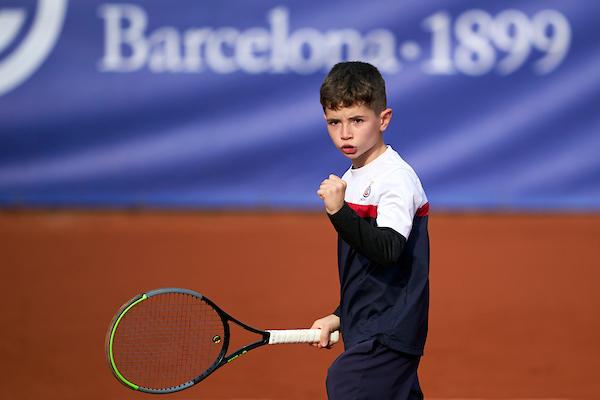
380, 212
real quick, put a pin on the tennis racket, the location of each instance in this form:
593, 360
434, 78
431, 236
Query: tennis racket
167, 340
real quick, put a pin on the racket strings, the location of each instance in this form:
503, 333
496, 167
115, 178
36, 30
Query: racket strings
167, 340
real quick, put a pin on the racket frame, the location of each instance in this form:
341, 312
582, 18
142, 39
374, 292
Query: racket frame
222, 358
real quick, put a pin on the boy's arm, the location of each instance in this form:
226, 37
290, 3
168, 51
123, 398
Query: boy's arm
381, 245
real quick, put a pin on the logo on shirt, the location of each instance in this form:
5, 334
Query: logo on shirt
367, 191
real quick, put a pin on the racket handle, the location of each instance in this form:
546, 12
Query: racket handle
300, 336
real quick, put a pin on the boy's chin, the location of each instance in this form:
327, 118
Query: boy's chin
350, 156
355, 158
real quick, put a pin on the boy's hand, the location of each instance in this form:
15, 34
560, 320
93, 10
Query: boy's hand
328, 324
332, 192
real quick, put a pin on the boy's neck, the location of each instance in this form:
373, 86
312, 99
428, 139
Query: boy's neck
369, 156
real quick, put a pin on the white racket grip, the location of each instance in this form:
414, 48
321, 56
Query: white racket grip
300, 336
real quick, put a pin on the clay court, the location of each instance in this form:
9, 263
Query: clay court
514, 300
155, 144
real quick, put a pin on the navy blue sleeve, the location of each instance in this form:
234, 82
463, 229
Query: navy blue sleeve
337, 311
382, 246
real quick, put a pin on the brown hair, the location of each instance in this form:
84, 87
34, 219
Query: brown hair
353, 82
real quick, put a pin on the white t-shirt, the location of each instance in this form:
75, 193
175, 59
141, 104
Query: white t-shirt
387, 189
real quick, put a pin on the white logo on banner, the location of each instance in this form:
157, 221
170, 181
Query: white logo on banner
21, 63
472, 43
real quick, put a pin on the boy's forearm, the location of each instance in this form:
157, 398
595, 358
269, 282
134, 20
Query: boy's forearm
381, 245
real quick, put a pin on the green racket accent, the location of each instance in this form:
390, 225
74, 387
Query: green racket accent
110, 345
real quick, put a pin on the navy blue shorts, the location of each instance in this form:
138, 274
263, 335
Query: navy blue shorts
370, 370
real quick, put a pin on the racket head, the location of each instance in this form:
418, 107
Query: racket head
166, 340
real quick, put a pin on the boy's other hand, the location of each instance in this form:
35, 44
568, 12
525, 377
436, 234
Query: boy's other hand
332, 192
328, 324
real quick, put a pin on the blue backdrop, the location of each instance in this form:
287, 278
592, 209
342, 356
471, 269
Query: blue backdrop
215, 104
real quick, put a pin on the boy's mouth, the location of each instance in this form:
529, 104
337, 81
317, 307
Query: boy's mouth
347, 149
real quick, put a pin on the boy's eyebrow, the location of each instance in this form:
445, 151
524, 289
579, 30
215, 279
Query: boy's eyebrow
351, 117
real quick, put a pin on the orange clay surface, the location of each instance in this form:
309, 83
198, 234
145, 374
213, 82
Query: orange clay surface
515, 300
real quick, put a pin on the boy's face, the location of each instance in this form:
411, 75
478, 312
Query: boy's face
357, 131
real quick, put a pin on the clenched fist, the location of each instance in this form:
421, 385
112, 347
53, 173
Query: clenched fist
332, 192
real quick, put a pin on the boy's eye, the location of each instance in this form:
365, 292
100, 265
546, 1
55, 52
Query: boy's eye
332, 123
357, 120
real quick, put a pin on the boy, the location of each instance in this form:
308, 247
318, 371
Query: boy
379, 210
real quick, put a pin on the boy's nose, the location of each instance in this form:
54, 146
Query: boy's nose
346, 134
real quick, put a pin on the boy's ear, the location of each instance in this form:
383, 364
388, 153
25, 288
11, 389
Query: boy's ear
385, 117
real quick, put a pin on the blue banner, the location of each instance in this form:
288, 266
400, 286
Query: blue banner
216, 104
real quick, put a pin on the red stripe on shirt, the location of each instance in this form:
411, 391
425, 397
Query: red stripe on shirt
423, 211
364, 210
